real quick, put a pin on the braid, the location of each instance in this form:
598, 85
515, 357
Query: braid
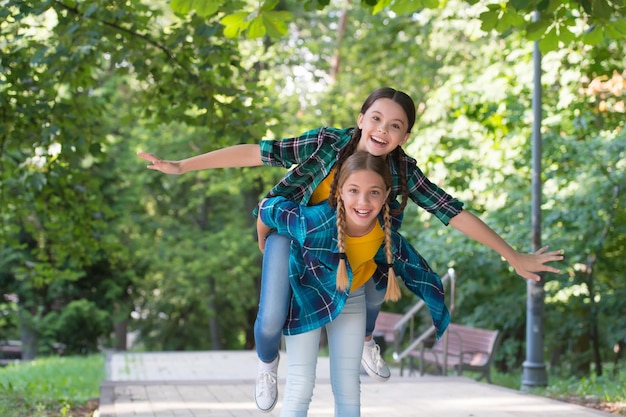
344, 153
404, 188
393, 290
342, 272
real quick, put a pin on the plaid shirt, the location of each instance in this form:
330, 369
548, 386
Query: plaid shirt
315, 153
313, 262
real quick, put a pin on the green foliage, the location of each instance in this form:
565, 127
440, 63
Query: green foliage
552, 23
50, 385
79, 326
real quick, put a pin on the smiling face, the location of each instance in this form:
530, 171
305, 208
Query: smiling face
363, 194
384, 126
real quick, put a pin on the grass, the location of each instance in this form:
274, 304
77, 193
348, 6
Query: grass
607, 393
50, 387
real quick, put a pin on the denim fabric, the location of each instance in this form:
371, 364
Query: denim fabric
275, 296
374, 299
345, 341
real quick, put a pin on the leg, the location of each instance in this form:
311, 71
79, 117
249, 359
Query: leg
275, 295
273, 306
302, 350
345, 340
373, 300
372, 362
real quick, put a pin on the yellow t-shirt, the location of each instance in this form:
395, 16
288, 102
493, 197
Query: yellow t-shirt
360, 252
322, 192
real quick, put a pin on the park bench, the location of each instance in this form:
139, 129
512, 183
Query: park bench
469, 349
10, 350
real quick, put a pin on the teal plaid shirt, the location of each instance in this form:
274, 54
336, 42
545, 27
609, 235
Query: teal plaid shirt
314, 154
314, 258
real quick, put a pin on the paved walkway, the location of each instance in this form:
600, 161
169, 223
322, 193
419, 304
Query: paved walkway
220, 384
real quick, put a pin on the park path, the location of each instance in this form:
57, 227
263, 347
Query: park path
220, 384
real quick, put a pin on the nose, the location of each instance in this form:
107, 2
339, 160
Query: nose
364, 198
383, 128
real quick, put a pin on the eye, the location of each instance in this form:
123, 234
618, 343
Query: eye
375, 192
353, 190
375, 118
395, 126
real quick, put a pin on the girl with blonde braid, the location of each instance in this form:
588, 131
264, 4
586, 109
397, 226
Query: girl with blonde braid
333, 251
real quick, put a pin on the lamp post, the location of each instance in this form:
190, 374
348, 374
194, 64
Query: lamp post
534, 374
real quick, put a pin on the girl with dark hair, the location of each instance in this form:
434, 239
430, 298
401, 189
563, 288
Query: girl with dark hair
383, 125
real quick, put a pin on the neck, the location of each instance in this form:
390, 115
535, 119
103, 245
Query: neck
357, 231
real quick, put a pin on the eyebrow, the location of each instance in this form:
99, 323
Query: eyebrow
399, 120
351, 184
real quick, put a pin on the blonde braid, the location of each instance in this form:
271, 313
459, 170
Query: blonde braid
393, 289
342, 271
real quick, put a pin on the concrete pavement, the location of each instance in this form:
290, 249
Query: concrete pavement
221, 383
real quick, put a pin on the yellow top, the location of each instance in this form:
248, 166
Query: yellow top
360, 252
322, 192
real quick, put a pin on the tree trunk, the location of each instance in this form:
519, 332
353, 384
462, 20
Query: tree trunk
28, 334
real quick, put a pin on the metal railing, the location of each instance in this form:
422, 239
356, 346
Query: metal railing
408, 321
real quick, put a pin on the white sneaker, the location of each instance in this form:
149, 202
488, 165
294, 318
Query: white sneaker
266, 389
374, 364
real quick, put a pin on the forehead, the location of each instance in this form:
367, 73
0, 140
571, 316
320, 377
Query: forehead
389, 109
365, 179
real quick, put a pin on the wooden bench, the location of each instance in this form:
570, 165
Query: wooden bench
10, 351
469, 349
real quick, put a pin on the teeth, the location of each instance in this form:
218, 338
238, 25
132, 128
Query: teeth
362, 212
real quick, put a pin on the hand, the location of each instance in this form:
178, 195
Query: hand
167, 167
262, 232
528, 264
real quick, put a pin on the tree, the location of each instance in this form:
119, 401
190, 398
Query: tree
68, 67
554, 23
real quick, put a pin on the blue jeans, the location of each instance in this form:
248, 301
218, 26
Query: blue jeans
275, 297
373, 300
345, 341
276, 294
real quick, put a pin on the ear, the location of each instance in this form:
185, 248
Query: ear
406, 137
359, 120
387, 194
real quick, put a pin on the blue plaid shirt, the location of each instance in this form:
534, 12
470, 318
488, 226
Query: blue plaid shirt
314, 258
315, 153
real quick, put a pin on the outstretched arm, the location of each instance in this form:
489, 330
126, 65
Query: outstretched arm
245, 155
525, 264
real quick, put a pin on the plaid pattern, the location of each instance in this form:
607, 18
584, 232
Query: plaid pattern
313, 263
315, 153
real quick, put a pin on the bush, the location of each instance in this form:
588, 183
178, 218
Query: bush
79, 326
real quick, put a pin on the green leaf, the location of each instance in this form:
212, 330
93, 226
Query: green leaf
235, 24
207, 8
269, 5
276, 23
536, 30
380, 5
617, 28
601, 9
550, 42
489, 20
256, 28
181, 6
593, 36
